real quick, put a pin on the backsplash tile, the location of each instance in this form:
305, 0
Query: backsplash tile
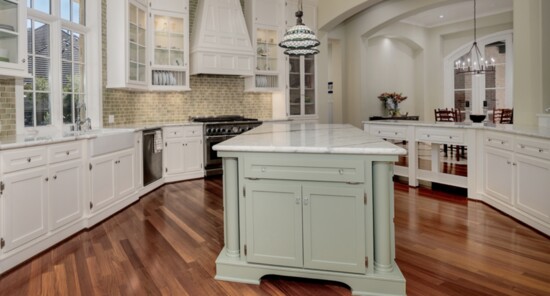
7, 107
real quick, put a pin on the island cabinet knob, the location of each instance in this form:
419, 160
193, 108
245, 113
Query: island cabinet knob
263, 170
29, 159
341, 171
540, 150
67, 152
451, 137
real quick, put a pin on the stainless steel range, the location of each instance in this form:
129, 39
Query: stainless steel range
218, 129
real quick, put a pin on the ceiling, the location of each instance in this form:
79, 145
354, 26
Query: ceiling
458, 12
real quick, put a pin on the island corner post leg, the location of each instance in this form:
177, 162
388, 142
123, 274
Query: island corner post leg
231, 196
382, 182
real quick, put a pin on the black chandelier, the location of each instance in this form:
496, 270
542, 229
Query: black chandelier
473, 62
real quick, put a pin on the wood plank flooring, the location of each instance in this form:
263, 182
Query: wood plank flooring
167, 243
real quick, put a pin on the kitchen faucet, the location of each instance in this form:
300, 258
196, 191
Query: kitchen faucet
82, 125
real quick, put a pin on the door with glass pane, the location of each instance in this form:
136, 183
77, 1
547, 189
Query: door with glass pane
12, 38
137, 43
301, 86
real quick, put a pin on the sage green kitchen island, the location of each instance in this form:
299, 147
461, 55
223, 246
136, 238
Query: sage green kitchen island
310, 200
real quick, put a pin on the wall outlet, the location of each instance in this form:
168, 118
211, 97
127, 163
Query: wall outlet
111, 118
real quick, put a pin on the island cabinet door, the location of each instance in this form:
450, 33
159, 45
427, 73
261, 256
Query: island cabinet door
274, 223
334, 228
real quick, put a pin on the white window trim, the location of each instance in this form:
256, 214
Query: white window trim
93, 61
478, 82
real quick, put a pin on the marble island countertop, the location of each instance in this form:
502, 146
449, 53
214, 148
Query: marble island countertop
525, 130
300, 137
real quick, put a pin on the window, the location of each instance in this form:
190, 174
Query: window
494, 88
37, 89
57, 62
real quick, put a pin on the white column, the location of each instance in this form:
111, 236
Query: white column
383, 240
412, 150
231, 196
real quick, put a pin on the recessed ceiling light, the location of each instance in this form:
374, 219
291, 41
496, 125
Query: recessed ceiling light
441, 16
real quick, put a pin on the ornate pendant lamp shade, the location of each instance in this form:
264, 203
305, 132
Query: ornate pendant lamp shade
473, 62
300, 40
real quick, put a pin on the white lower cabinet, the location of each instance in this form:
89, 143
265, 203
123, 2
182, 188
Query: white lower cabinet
307, 225
499, 175
183, 152
24, 206
533, 186
112, 178
65, 193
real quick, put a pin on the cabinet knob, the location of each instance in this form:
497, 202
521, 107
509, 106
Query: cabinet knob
341, 171
540, 150
55, 177
489, 140
508, 162
514, 164
451, 137
428, 136
67, 152
306, 201
263, 170
501, 142
521, 146
47, 179
29, 159
298, 200
23, 61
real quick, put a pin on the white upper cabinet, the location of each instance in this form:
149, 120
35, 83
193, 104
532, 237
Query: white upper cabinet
176, 6
13, 38
148, 48
265, 21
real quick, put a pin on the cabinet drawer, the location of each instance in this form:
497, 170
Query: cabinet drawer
440, 135
389, 132
173, 132
65, 151
193, 131
499, 140
312, 170
20, 159
533, 147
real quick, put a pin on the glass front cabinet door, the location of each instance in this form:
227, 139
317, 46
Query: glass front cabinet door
169, 64
137, 67
301, 86
13, 35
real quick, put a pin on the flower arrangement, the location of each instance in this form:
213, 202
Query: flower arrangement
391, 102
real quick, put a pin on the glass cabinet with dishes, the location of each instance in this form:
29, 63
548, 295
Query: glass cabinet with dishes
170, 49
147, 48
137, 43
13, 36
301, 86
264, 20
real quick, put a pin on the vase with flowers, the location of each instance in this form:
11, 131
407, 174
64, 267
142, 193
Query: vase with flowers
391, 102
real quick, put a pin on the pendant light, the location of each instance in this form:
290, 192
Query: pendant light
473, 62
300, 40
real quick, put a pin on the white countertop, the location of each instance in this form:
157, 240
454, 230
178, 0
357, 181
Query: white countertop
309, 137
532, 131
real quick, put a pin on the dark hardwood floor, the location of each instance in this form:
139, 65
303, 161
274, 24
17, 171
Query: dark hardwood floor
167, 243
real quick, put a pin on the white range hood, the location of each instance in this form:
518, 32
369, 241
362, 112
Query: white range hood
220, 43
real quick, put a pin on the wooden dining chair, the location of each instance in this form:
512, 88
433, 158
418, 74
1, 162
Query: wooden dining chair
449, 115
503, 115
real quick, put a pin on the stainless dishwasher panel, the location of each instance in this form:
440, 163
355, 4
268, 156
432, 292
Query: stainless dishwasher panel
152, 162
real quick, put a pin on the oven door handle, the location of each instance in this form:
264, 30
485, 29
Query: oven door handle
218, 137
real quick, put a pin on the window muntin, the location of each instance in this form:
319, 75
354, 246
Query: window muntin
37, 90
72, 73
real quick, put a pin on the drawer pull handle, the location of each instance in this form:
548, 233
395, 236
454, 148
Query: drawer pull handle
353, 183
514, 164
341, 171
29, 159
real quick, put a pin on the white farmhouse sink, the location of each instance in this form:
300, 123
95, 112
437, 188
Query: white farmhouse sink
110, 140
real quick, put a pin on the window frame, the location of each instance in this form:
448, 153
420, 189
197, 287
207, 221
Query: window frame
478, 81
92, 60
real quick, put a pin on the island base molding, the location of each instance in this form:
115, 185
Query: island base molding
382, 283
